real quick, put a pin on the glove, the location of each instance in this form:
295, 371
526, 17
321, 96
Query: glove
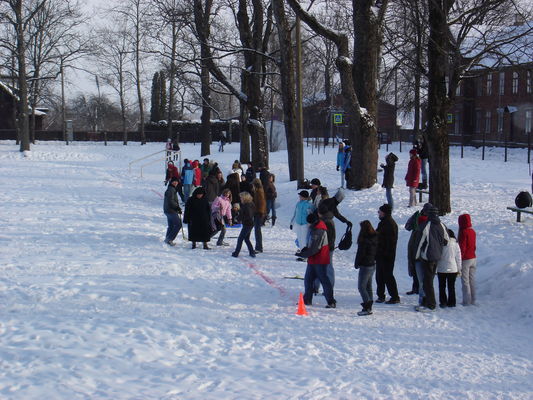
337, 167
290, 227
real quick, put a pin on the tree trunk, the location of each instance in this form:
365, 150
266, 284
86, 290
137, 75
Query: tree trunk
24, 125
436, 132
205, 129
244, 156
294, 139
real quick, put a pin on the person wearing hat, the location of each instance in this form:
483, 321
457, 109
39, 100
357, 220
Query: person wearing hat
315, 184
198, 216
299, 218
430, 240
388, 176
387, 230
172, 209
412, 178
340, 161
317, 253
347, 163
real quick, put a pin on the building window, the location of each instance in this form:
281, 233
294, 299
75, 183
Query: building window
487, 121
529, 117
479, 87
529, 83
489, 84
479, 121
500, 121
502, 83
515, 82
457, 125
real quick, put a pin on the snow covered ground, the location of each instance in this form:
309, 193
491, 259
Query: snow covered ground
93, 304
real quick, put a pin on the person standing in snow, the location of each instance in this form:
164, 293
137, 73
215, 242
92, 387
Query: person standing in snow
236, 168
172, 210
299, 219
315, 184
247, 212
271, 194
388, 176
212, 185
233, 184
467, 244
258, 195
220, 209
250, 173
205, 168
187, 176
340, 162
317, 253
413, 176
197, 178
448, 267
347, 163
429, 243
387, 230
411, 225
365, 261
198, 217
423, 152
327, 209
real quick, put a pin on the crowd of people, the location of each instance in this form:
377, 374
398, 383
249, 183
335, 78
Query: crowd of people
248, 199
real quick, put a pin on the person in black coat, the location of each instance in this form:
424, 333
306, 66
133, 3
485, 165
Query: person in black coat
233, 183
386, 255
247, 213
198, 216
365, 261
388, 176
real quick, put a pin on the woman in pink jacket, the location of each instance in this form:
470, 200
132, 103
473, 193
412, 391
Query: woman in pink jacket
412, 178
221, 208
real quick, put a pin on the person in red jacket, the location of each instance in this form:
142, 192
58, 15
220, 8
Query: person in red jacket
317, 254
197, 177
412, 178
467, 244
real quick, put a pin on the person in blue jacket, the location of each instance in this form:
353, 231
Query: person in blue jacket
347, 163
340, 162
299, 219
187, 176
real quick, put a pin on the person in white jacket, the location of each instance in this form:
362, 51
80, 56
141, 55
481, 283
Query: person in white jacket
448, 268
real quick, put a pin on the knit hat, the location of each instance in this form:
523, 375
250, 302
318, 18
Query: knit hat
304, 194
315, 181
386, 209
429, 209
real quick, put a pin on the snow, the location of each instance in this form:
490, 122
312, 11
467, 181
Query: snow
95, 306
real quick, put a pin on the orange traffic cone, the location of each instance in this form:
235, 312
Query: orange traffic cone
301, 306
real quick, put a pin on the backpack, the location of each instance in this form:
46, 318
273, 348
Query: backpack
346, 240
523, 200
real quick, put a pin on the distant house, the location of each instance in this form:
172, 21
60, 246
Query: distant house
320, 119
8, 102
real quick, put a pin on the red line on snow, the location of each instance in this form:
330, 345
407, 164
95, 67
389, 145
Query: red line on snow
159, 194
267, 279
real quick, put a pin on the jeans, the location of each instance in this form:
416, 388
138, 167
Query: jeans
420, 277
447, 279
222, 234
270, 207
388, 194
258, 221
364, 283
385, 277
187, 188
174, 226
329, 271
244, 235
468, 273
312, 272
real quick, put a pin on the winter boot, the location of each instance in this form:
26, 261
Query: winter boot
206, 247
273, 219
194, 245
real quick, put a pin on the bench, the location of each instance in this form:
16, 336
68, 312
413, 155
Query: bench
518, 212
420, 193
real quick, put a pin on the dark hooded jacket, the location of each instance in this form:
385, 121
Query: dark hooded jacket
388, 170
198, 216
387, 230
212, 186
327, 209
432, 243
366, 251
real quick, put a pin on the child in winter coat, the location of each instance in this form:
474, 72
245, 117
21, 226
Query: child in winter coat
467, 244
221, 208
317, 253
448, 267
365, 261
299, 219
412, 178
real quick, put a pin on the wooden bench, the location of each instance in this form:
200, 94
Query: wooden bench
519, 211
420, 193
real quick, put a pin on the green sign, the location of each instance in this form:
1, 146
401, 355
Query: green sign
449, 118
337, 118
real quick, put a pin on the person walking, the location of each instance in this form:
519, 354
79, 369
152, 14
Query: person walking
271, 194
429, 244
172, 210
365, 261
317, 253
198, 217
221, 211
413, 176
260, 213
247, 212
448, 267
387, 230
388, 176
467, 244
340, 162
